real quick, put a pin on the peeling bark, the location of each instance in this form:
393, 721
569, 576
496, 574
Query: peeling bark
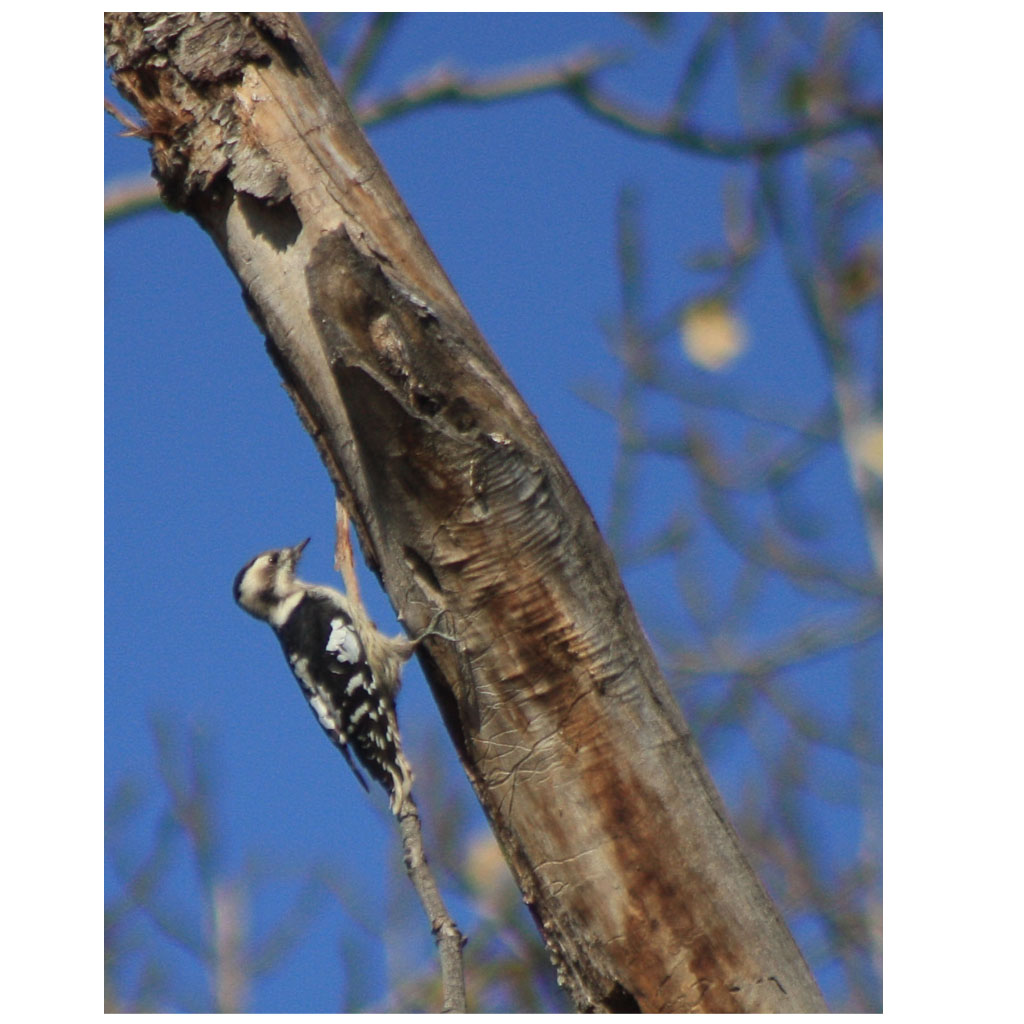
567, 731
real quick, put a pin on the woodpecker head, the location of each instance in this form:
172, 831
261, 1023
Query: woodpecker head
264, 584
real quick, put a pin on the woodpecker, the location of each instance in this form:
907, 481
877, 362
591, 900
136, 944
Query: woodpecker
348, 670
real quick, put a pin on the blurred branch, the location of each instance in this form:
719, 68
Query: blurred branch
268, 953
764, 546
630, 345
844, 923
187, 782
720, 396
813, 729
446, 933
806, 643
576, 76
128, 196
755, 471
698, 66
140, 886
230, 964
219, 941
853, 416
447, 85
654, 24
671, 128
359, 62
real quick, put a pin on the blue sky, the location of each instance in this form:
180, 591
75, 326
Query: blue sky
207, 464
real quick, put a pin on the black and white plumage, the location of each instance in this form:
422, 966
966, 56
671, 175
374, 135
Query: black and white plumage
349, 671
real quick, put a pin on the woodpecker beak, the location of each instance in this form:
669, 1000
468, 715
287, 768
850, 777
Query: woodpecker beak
298, 549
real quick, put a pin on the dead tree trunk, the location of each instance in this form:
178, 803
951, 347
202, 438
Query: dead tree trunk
576, 749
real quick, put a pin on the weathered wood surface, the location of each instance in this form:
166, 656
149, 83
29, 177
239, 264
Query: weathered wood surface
567, 730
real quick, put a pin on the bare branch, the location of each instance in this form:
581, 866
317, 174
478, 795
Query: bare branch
805, 643
366, 50
140, 891
446, 933
123, 119
267, 953
445, 84
123, 198
670, 129
852, 411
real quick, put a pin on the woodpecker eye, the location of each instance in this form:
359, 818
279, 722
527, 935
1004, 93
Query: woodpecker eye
273, 558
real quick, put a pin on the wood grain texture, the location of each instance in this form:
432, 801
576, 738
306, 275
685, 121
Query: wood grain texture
552, 696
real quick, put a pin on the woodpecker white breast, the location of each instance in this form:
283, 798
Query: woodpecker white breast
348, 670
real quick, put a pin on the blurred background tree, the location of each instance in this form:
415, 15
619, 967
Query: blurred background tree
746, 482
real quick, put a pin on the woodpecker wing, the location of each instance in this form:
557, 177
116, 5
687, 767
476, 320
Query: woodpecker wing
342, 689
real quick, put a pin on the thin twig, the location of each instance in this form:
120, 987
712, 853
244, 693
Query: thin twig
806, 643
130, 195
698, 65
361, 58
836, 352
140, 893
670, 129
448, 85
446, 933
130, 126
632, 347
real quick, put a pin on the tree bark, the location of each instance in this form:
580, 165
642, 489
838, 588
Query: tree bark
552, 696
